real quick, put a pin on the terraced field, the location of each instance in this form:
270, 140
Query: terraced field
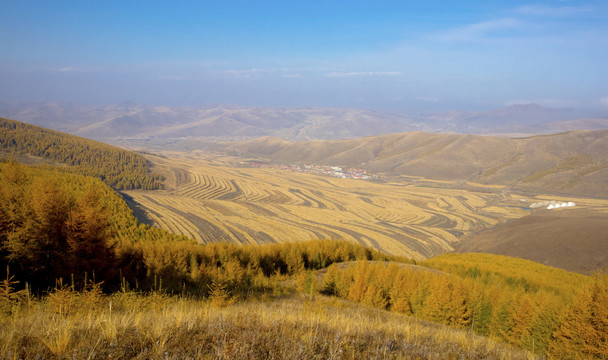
216, 198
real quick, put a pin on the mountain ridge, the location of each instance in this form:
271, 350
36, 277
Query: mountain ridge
130, 120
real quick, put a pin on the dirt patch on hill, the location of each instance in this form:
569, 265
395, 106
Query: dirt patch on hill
571, 239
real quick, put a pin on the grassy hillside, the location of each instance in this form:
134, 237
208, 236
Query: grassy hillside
118, 168
291, 327
505, 271
573, 162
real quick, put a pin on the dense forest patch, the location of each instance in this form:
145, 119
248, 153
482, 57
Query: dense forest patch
545, 310
118, 168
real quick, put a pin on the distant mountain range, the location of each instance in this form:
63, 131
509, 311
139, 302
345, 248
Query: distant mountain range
129, 120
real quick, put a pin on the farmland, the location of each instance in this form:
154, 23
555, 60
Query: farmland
214, 198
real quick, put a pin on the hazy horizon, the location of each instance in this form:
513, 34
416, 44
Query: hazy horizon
396, 56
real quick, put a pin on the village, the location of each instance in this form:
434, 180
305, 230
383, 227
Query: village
335, 171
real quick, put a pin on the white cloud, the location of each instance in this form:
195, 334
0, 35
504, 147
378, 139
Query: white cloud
63, 69
604, 101
364, 73
481, 30
245, 74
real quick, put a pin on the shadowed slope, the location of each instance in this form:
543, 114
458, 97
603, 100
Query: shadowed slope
571, 239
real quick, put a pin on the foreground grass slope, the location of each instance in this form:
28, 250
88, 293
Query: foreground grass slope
157, 326
534, 312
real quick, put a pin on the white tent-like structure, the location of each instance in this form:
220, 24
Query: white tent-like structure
561, 205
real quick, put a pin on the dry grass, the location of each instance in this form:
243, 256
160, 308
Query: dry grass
573, 239
576, 162
157, 326
213, 198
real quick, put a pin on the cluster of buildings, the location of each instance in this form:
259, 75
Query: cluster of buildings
552, 204
336, 171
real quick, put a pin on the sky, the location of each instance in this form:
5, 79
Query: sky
412, 56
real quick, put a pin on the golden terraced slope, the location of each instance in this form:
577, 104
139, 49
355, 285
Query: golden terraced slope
216, 198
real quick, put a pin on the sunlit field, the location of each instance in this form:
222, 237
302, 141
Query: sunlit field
215, 198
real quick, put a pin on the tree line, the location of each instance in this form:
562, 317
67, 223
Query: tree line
118, 168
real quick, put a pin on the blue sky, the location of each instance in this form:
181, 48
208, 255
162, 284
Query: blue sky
393, 55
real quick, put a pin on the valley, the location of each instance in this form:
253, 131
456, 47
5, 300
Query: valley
213, 198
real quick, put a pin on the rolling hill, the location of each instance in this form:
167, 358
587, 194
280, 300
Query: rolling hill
573, 162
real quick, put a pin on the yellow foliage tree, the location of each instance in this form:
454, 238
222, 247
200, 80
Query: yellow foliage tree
583, 329
403, 287
358, 289
521, 319
447, 302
